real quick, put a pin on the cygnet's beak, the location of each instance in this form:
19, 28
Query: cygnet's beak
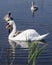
8, 26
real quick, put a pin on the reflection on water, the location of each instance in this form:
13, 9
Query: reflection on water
22, 47
10, 56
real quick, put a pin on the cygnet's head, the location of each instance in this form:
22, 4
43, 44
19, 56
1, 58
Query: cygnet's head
7, 16
8, 20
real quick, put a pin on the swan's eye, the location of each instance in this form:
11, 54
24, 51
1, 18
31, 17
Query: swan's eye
7, 23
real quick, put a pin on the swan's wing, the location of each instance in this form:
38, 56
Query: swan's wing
41, 37
27, 34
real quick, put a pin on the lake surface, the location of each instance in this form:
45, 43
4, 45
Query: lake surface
42, 22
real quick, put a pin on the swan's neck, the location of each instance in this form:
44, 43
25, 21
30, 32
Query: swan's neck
11, 35
32, 3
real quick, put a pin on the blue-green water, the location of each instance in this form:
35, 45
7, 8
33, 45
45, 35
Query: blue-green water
42, 22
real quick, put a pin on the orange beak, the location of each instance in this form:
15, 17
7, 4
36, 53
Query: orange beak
8, 26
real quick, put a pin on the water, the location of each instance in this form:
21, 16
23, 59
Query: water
42, 22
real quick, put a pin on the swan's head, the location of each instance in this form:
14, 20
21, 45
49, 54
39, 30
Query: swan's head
32, 2
9, 24
8, 20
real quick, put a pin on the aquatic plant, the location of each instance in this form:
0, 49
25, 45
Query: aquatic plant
34, 51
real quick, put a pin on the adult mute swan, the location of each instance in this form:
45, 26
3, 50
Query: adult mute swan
29, 34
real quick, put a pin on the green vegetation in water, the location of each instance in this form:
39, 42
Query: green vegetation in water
34, 51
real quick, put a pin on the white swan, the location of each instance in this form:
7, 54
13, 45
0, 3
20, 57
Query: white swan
29, 34
33, 7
